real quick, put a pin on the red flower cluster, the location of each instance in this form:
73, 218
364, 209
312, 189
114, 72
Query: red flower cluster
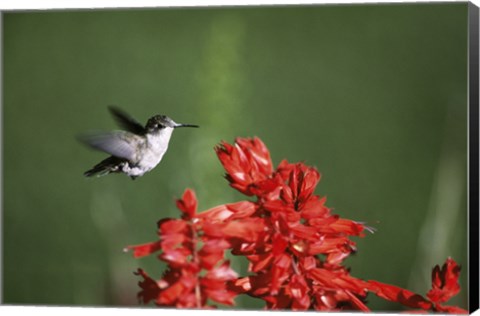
197, 270
294, 244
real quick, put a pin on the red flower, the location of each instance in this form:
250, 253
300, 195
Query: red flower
444, 286
188, 204
294, 244
444, 282
248, 165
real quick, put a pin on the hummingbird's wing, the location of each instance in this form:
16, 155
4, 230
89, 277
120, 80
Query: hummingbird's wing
126, 121
117, 143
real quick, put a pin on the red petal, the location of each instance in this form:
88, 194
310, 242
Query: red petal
278, 206
176, 257
188, 203
221, 296
214, 246
299, 291
298, 286
208, 261
171, 294
171, 226
260, 262
241, 285
397, 294
261, 283
303, 232
261, 188
315, 208
150, 289
323, 225
328, 245
336, 258
287, 195
308, 262
280, 301
242, 209
258, 153
280, 272
247, 229
338, 281
279, 244
212, 252
172, 241
242, 187
222, 273
311, 177
213, 229
451, 309
293, 181
357, 303
218, 213
348, 227
145, 249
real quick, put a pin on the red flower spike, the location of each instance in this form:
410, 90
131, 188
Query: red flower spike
294, 244
444, 282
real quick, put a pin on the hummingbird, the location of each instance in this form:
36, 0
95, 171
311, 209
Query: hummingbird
135, 150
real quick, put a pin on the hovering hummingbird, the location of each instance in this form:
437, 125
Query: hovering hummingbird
134, 151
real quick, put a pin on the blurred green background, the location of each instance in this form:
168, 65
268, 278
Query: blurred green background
374, 96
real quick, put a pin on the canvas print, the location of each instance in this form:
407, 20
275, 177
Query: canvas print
301, 157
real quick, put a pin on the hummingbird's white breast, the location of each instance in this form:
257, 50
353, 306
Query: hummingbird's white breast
155, 146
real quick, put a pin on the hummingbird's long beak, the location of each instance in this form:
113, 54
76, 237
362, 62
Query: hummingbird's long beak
186, 125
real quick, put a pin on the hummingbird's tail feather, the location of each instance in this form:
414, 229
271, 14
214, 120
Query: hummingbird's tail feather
109, 165
98, 172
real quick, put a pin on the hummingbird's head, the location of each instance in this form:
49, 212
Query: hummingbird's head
159, 122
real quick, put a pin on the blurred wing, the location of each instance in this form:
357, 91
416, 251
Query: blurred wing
119, 144
126, 121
